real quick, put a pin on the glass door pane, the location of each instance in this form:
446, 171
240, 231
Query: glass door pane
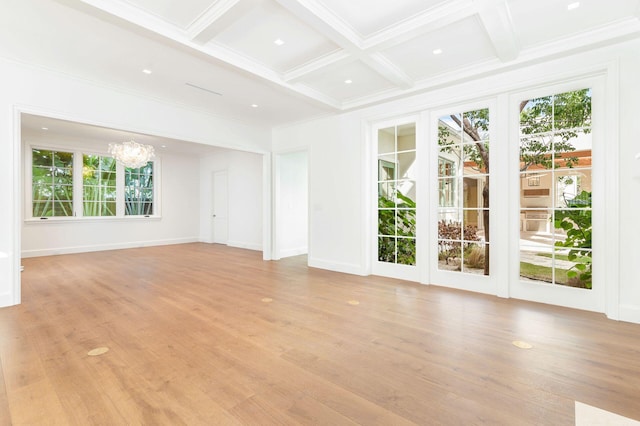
555, 190
396, 211
463, 192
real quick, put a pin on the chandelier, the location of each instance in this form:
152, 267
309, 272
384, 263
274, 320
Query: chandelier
131, 154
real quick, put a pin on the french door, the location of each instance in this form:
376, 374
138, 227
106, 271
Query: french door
559, 159
396, 190
503, 197
461, 187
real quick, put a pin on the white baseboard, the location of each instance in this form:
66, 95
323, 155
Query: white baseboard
248, 246
346, 268
630, 313
7, 299
292, 252
103, 247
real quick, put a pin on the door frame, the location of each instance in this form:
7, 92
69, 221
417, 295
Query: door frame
603, 221
488, 284
394, 270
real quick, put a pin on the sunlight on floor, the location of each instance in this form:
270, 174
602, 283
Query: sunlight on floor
586, 415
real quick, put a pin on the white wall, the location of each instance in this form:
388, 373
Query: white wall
335, 193
338, 146
41, 92
291, 204
245, 185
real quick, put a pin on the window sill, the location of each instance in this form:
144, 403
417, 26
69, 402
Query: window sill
76, 219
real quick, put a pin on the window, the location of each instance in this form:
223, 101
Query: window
98, 186
138, 190
52, 183
76, 184
463, 195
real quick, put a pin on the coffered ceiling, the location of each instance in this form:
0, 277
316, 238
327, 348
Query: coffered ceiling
274, 61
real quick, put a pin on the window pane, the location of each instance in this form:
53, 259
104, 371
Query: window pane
449, 255
52, 183
407, 137
387, 168
386, 194
139, 190
98, 179
447, 192
406, 254
476, 125
396, 194
463, 171
474, 257
387, 222
406, 165
473, 191
406, 222
387, 140
475, 158
449, 159
387, 249
449, 227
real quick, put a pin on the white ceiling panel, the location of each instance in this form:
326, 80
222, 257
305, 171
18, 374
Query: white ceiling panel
179, 13
375, 15
461, 44
542, 21
332, 80
269, 22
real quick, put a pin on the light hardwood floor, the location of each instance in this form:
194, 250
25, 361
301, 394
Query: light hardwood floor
193, 339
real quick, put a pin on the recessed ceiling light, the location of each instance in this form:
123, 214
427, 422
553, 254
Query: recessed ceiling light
437, 51
254, 105
45, 128
163, 146
348, 82
146, 71
278, 42
573, 5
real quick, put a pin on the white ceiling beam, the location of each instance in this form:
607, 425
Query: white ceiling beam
206, 26
421, 23
387, 69
323, 20
500, 29
299, 72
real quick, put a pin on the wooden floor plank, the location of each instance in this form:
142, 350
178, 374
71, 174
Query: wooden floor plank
207, 334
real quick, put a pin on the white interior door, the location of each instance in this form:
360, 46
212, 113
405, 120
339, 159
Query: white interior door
220, 208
